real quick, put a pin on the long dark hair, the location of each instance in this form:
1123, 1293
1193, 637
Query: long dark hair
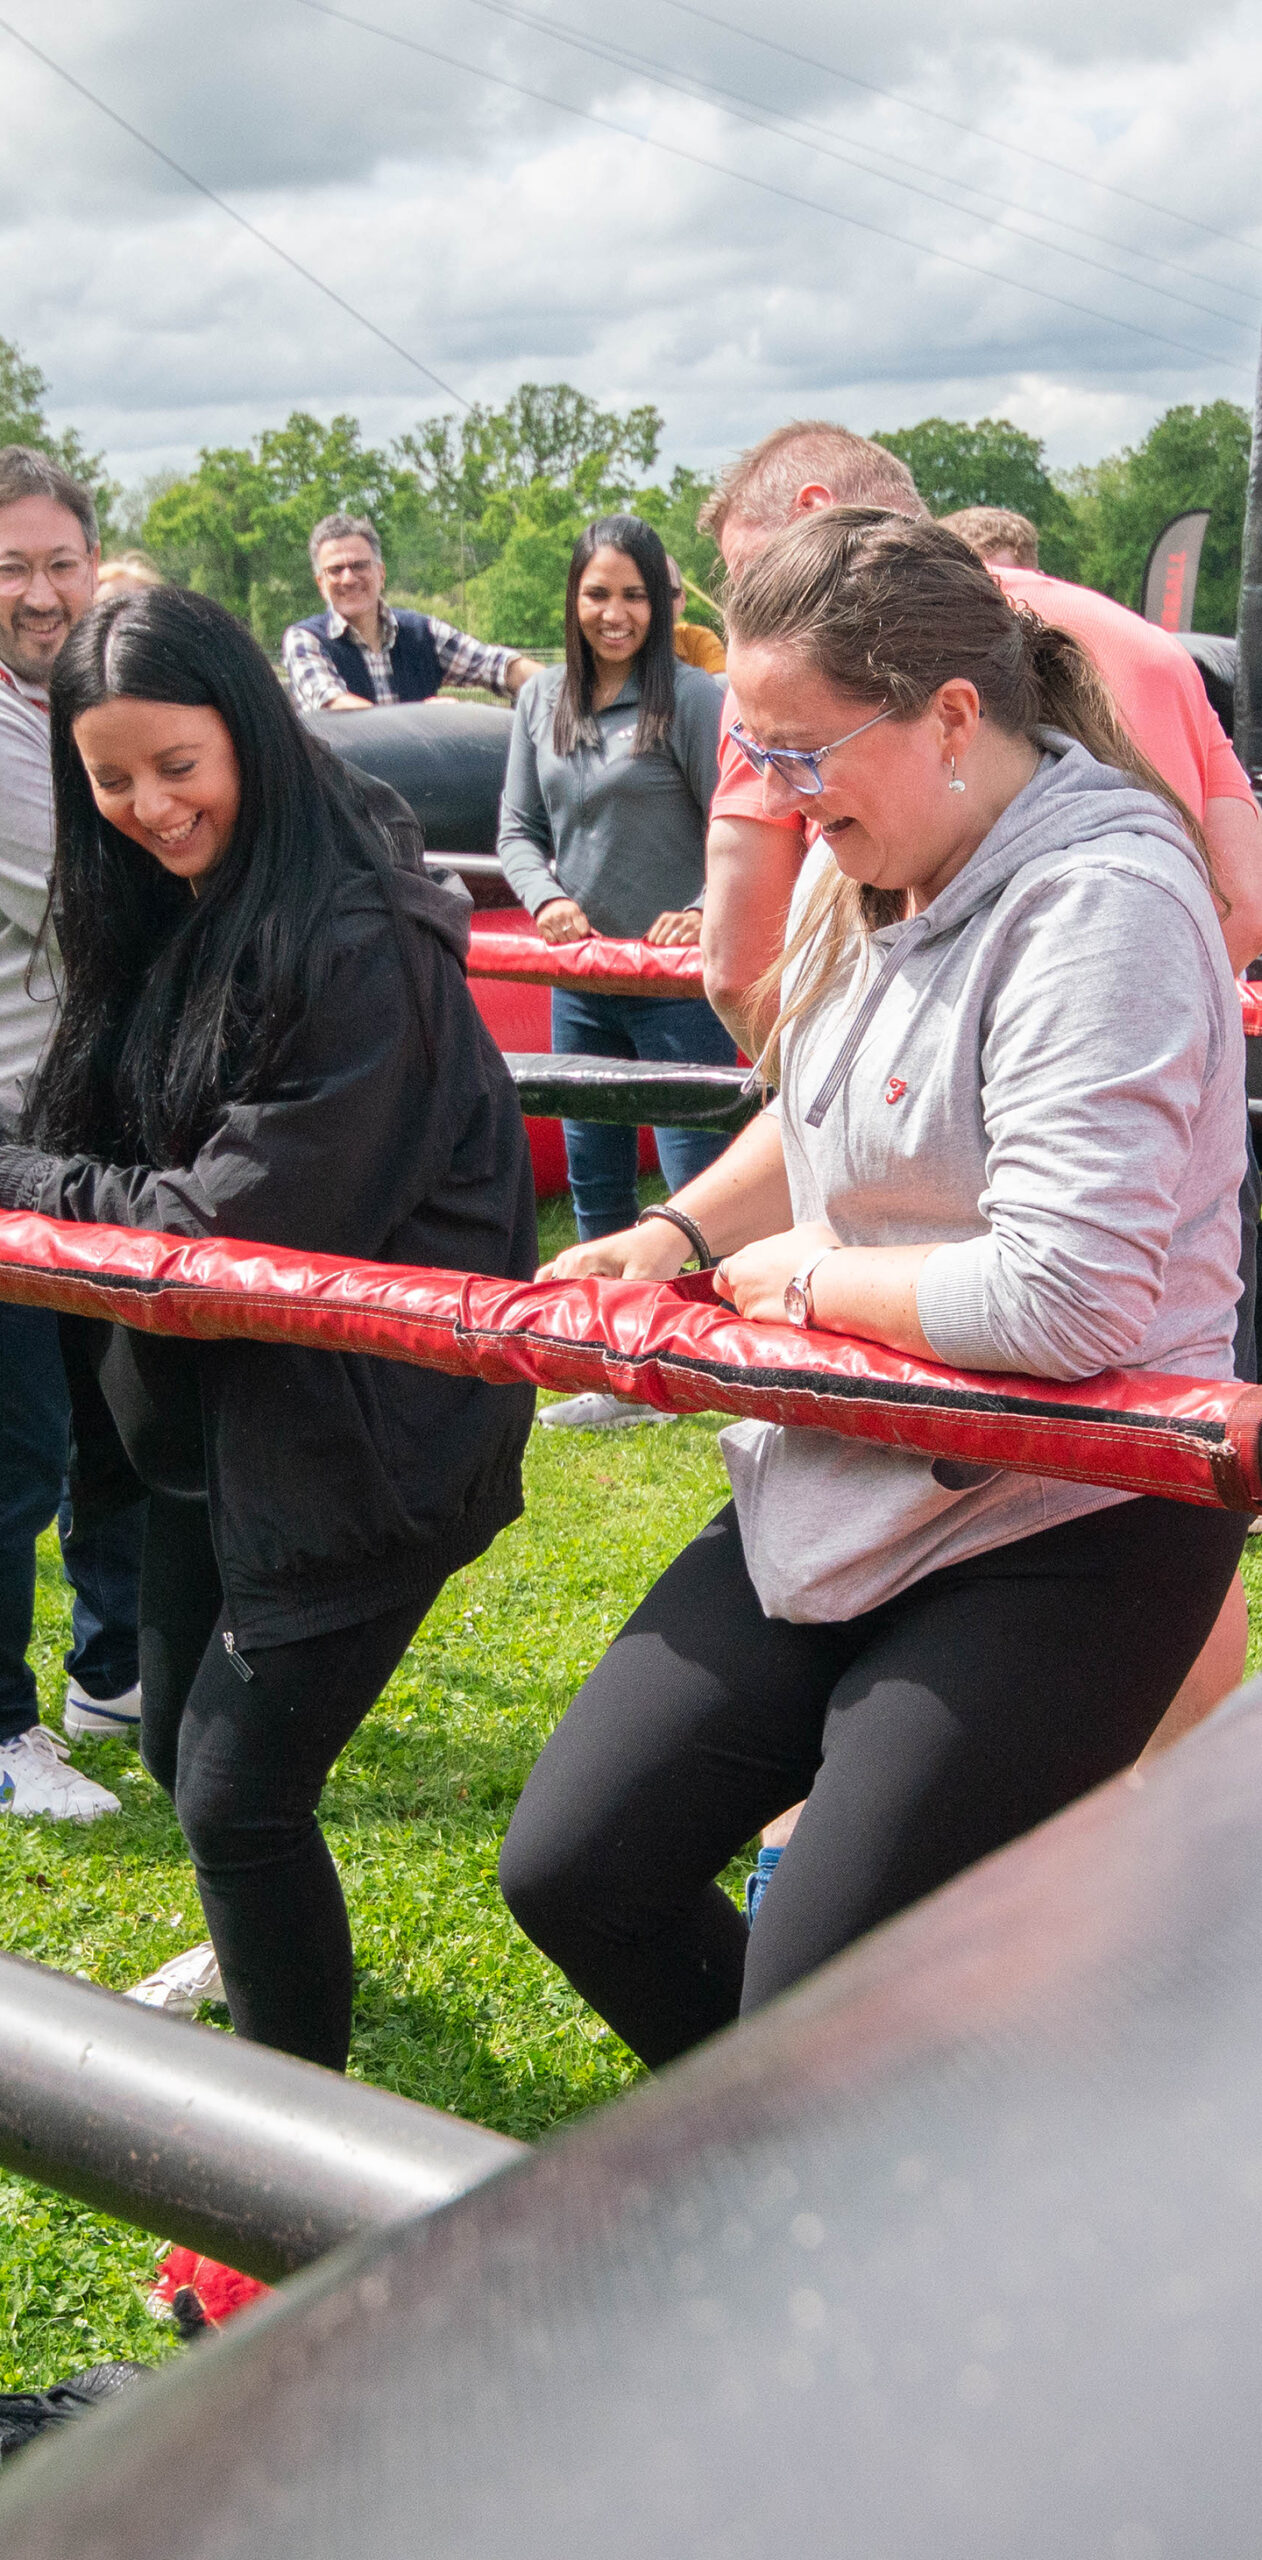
574, 721
172, 1005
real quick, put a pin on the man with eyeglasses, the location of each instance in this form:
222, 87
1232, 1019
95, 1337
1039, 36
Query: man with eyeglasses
48, 563
361, 651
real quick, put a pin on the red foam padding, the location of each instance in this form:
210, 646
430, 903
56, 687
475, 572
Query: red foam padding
609, 967
515, 952
672, 1345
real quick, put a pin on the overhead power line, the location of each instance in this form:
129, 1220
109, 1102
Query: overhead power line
1081, 178
876, 151
329, 291
687, 84
764, 186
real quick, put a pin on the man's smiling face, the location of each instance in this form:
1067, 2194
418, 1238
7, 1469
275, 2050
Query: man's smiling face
47, 581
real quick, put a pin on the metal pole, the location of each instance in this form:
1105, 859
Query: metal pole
223, 2145
1248, 725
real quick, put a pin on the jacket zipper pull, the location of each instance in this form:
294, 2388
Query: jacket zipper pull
241, 1667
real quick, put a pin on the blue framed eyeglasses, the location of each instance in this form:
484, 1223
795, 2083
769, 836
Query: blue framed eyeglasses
799, 767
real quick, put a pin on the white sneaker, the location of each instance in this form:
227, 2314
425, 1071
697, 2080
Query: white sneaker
599, 1413
34, 1779
181, 1984
86, 1719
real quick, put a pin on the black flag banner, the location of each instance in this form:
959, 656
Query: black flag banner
1173, 566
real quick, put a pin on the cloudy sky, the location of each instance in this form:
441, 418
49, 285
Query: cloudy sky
1049, 213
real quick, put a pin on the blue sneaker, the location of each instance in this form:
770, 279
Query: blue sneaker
756, 1885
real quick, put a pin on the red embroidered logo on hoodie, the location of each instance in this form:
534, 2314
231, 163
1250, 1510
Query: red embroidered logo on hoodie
895, 1089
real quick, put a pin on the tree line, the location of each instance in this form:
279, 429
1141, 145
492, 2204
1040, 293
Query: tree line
478, 514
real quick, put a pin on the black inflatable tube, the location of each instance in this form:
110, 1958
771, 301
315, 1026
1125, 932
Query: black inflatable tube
631, 1092
1216, 665
1248, 723
953, 2255
445, 758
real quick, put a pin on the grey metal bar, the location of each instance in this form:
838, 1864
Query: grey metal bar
1248, 725
631, 1092
471, 866
212, 2141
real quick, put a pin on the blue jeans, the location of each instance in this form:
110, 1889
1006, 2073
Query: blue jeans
102, 1565
602, 1160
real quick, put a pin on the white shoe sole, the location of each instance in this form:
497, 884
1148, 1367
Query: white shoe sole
629, 1417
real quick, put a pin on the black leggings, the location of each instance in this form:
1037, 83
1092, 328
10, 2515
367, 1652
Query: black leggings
244, 1762
924, 1734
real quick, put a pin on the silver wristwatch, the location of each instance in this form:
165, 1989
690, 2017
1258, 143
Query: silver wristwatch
799, 1305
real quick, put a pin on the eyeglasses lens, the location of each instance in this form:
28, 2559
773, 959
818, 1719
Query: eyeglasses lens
799, 775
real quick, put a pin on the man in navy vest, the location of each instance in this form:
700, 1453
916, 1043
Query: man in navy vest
363, 651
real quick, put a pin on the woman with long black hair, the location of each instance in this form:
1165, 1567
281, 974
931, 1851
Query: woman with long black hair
611, 770
265, 1033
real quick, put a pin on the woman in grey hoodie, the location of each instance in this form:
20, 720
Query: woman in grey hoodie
1007, 1137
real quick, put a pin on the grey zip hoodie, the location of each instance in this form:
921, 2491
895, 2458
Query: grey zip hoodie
1045, 1071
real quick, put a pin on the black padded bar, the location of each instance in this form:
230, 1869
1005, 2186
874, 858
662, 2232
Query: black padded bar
631, 1092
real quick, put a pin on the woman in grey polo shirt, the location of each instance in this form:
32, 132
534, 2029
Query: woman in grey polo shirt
611, 769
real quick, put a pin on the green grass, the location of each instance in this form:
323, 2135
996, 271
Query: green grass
453, 2005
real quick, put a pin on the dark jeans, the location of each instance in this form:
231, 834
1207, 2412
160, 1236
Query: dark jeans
923, 1734
244, 1761
102, 1565
602, 1161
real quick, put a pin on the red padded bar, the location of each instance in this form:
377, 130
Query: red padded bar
673, 1345
641, 969
613, 968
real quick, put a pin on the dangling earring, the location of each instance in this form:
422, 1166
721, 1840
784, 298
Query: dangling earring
957, 782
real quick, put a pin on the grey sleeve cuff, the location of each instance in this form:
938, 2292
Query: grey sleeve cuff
529, 875
498, 682
951, 1302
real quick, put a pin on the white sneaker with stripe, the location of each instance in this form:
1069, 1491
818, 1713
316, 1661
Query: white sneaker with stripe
34, 1779
88, 1719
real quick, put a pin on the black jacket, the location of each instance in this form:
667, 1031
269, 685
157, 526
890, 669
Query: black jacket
338, 1483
